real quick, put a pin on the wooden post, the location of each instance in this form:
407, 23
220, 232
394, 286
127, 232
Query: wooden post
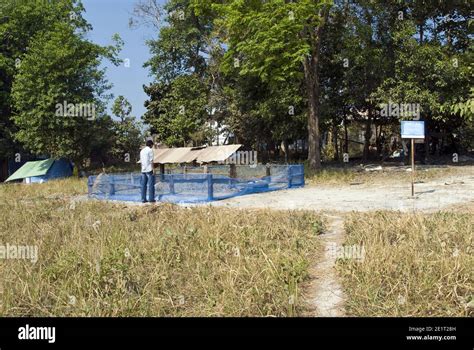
111, 188
267, 170
290, 176
171, 183
232, 171
412, 167
162, 172
210, 188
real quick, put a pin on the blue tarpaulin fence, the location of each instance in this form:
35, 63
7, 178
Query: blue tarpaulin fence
194, 187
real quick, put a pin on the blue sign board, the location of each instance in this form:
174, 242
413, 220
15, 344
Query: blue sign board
413, 129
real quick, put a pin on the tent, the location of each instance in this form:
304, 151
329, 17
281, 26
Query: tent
42, 170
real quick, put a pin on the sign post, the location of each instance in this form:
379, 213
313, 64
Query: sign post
413, 129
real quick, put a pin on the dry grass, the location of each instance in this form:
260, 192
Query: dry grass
389, 174
103, 259
415, 265
59, 189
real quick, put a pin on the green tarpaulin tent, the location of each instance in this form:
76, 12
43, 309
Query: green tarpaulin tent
31, 169
43, 170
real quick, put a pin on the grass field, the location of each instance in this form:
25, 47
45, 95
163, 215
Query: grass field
111, 259
103, 259
388, 174
415, 265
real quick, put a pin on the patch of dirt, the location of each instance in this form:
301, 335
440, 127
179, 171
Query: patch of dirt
430, 195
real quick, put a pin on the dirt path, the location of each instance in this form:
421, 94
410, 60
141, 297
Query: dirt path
325, 295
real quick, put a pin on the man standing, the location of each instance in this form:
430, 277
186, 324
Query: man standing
146, 160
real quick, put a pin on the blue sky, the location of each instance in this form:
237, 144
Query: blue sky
108, 17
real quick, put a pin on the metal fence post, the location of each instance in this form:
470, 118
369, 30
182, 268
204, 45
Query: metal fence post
171, 183
290, 176
89, 186
210, 188
111, 188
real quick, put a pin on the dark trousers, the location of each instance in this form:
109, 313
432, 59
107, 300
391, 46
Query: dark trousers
148, 178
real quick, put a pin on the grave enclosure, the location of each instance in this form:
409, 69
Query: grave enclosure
186, 184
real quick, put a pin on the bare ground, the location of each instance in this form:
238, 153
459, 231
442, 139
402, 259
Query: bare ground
430, 195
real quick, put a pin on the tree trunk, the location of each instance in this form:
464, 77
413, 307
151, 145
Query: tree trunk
346, 137
367, 136
426, 159
314, 151
380, 143
311, 65
271, 150
284, 148
78, 165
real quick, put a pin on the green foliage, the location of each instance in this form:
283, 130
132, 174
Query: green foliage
178, 111
266, 72
424, 73
178, 108
20, 22
268, 39
180, 45
127, 131
60, 68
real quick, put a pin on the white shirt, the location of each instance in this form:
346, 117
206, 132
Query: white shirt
146, 159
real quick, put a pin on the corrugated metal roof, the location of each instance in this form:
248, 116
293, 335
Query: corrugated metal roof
190, 154
172, 155
216, 153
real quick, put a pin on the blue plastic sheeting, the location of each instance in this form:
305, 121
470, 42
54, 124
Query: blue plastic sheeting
196, 187
59, 169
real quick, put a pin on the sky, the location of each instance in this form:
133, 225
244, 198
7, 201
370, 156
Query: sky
108, 17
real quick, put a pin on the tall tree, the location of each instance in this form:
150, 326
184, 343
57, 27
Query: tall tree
20, 22
59, 90
178, 110
278, 40
430, 66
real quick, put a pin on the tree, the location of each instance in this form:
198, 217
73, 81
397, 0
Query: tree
430, 68
279, 40
249, 62
20, 22
364, 57
127, 131
58, 91
178, 111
